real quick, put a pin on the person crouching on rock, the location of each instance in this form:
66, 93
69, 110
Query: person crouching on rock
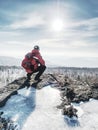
32, 63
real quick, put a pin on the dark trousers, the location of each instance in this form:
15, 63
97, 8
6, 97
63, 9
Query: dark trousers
40, 71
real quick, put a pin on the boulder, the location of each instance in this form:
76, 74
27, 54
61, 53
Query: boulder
70, 111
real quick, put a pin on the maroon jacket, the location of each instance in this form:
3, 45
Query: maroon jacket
27, 63
37, 55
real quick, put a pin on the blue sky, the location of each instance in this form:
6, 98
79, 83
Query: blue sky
25, 23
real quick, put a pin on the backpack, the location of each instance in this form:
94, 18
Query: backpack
29, 55
30, 62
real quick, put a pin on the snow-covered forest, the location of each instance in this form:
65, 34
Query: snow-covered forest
82, 74
10, 73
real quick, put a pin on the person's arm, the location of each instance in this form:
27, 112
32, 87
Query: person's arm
37, 55
42, 62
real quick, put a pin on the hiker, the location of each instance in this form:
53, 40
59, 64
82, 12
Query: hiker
32, 63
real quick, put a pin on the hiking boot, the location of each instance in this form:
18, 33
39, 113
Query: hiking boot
38, 80
29, 76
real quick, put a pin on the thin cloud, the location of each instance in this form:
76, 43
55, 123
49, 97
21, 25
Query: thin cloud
33, 20
89, 24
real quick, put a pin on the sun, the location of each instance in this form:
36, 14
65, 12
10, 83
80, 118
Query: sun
57, 25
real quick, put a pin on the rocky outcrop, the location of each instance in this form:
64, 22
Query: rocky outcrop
72, 89
76, 91
6, 124
7, 91
70, 111
11, 89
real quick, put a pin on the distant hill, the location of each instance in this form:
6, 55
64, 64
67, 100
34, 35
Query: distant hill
9, 61
50, 64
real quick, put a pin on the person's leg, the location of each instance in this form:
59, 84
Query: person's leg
29, 76
40, 71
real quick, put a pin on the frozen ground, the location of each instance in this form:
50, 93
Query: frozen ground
35, 109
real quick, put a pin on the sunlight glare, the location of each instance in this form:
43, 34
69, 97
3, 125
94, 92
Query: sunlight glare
57, 25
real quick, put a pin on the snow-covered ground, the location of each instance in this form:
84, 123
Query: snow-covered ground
35, 109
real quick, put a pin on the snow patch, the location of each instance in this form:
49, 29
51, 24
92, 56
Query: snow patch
36, 109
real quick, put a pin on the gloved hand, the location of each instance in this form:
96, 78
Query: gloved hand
32, 67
